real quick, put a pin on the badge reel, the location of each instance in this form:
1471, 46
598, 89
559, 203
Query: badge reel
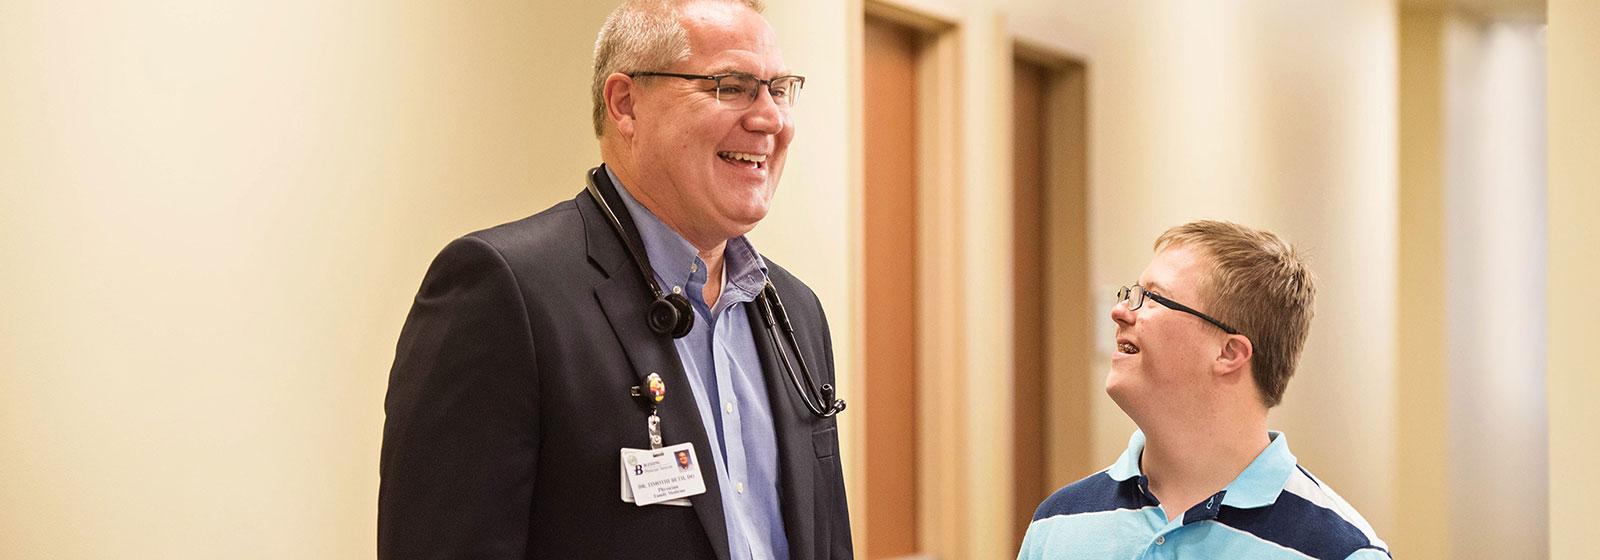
660, 475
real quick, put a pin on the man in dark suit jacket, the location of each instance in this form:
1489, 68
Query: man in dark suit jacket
517, 376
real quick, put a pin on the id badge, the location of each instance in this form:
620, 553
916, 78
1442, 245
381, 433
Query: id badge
668, 475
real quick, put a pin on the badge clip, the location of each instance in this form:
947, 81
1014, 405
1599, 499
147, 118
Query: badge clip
654, 390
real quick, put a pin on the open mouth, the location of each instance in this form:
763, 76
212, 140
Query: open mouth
1126, 347
742, 159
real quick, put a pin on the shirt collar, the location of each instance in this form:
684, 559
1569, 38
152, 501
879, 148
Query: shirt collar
1127, 466
676, 261
1259, 484
1262, 481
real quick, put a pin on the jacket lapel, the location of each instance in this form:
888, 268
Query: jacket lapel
624, 298
792, 421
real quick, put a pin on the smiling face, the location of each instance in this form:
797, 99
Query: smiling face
709, 171
1164, 357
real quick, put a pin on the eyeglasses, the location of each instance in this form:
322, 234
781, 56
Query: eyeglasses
1135, 295
738, 91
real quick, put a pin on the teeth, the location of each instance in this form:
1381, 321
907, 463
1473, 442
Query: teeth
1127, 348
741, 156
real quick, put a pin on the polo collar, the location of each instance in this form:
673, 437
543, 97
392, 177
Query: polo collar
1258, 486
1127, 466
1262, 481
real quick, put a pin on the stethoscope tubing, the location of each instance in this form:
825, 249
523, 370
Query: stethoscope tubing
821, 402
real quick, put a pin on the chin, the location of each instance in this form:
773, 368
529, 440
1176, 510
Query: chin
1121, 387
1125, 397
1114, 389
747, 212
753, 216
1114, 384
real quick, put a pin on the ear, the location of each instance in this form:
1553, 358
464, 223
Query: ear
618, 91
1234, 356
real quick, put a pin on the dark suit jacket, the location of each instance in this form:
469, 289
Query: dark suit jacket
509, 400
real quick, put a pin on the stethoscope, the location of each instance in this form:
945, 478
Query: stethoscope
671, 315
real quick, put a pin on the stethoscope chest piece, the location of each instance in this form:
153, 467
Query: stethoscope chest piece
671, 315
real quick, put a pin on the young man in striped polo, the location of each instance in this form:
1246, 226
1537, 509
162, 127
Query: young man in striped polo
1206, 343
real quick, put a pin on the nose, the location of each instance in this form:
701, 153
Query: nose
1122, 315
764, 115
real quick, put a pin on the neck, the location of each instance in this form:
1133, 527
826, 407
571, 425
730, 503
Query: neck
1189, 460
703, 242
710, 248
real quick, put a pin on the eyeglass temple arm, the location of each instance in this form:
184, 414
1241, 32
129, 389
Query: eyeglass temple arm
1190, 310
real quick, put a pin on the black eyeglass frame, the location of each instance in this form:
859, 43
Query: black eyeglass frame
1126, 292
799, 84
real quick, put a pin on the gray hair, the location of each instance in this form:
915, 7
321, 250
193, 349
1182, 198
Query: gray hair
641, 35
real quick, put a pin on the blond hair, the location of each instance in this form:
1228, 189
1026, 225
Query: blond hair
1260, 285
641, 36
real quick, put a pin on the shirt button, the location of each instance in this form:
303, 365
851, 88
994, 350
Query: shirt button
677, 289
739, 487
1160, 540
728, 407
694, 267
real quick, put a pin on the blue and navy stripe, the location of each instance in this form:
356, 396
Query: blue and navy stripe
1274, 509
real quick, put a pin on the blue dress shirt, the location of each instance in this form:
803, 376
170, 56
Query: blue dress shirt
719, 355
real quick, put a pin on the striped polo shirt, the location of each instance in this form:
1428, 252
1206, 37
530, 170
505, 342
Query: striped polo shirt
1274, 509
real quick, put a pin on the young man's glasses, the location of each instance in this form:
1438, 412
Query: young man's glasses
1135, 295
738, 91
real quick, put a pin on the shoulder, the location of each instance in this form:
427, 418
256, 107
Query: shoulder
536, 250
1097, 517
1311, 518
1335, 513
1094, 493
553, 233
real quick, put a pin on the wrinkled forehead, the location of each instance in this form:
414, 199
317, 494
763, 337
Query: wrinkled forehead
730, 37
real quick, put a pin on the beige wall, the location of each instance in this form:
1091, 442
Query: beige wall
1422, 504
1495, 247
213, 217
1472, 251
1574, 306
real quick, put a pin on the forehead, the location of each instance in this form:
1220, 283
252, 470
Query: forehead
726, 36
1176, 271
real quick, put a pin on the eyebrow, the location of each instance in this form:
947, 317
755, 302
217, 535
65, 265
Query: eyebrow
1155, 287
736, 71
